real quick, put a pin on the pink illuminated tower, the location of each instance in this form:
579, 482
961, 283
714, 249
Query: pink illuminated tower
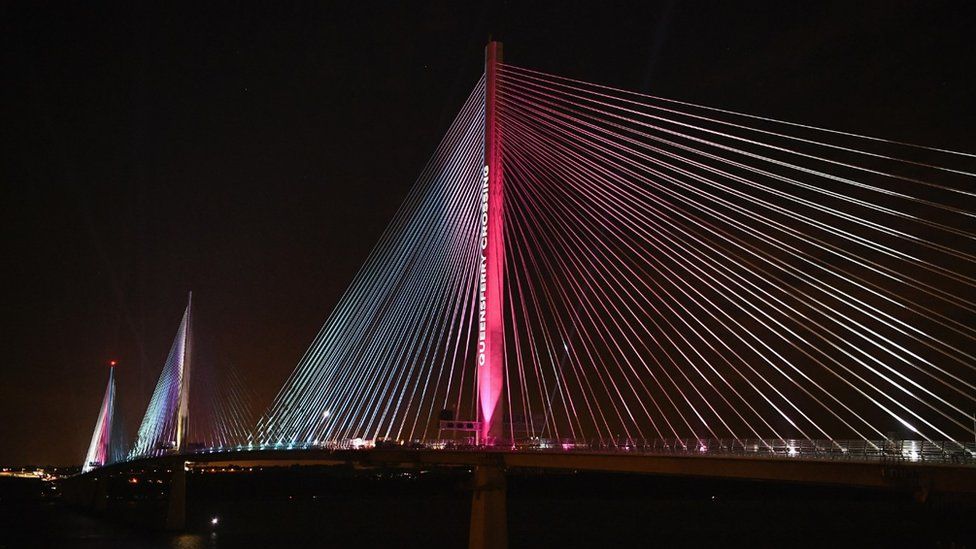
491, 330
100, 449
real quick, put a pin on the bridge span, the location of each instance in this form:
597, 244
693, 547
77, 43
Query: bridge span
891, 472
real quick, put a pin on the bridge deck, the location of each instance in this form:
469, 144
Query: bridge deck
886, 473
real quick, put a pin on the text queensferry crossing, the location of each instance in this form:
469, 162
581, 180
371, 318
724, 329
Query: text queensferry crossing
482, 313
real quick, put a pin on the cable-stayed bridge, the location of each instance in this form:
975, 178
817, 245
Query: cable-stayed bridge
585, 276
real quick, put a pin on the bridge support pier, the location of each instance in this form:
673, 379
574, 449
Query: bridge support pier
489, 519
176, 504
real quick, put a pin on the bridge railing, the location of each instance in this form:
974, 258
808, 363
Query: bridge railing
912, 451
903, 451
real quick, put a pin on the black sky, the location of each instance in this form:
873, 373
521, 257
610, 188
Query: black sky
254, 155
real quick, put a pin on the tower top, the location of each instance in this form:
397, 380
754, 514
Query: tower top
493, 51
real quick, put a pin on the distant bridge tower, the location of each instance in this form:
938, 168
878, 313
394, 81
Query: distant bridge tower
491, 328
100, 450
165, 425
183, 411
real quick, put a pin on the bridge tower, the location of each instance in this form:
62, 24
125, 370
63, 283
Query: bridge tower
491, 328
165, 425
100, 449
182, 411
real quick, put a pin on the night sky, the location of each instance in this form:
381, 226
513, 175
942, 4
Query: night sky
254, 156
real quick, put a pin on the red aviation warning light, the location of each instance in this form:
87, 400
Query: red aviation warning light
112, 363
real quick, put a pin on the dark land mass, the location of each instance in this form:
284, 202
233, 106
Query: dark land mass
346, 507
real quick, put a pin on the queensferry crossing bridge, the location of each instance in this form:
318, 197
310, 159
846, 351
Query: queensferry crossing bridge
590, 278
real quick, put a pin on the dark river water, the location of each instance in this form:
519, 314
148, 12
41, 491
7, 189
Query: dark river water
341, 507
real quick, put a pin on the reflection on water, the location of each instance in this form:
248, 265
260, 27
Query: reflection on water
193, 541
46, 524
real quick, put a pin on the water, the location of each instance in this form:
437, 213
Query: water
343, 507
